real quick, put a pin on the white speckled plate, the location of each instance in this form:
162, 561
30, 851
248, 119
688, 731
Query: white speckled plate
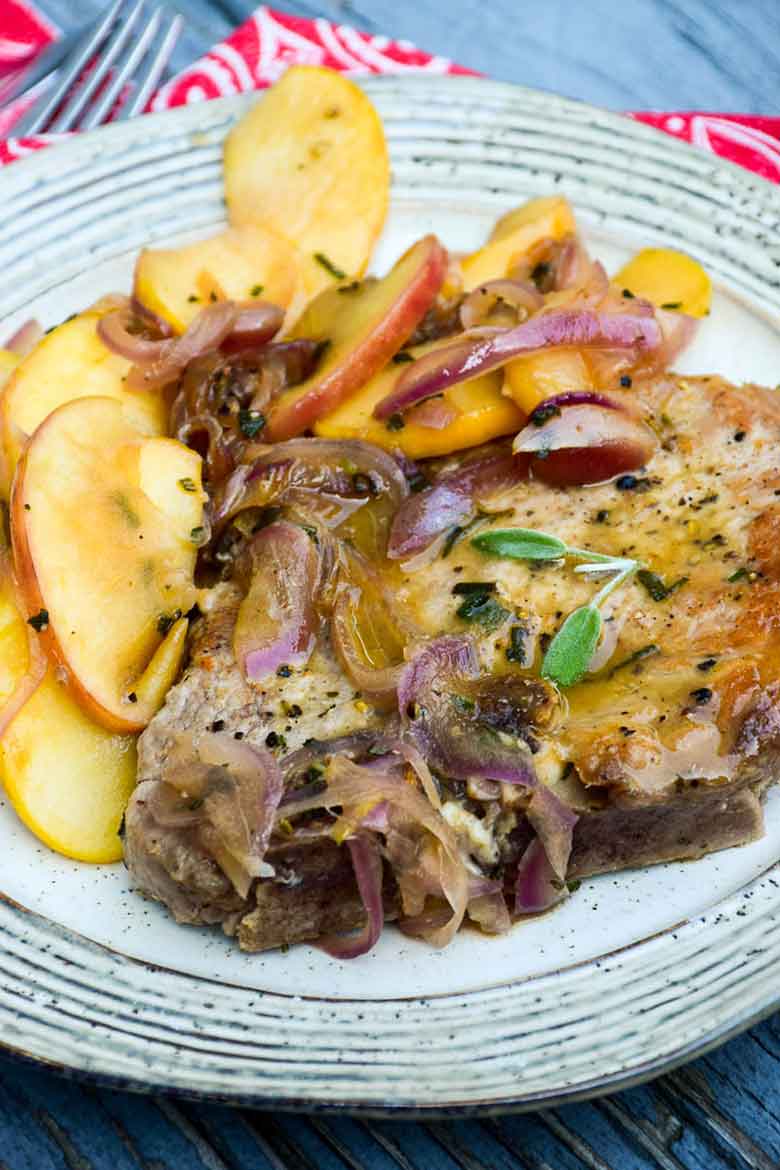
635, 972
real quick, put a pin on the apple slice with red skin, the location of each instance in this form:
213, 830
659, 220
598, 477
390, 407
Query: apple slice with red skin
105, 522
363, 327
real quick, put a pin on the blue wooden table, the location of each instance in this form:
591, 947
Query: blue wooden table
723, 1111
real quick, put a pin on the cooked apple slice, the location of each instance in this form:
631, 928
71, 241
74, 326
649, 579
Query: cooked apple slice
70, 362
531, 379
480, 413
670, 279
68, 779
363, 327
239, 264
310, 161
550, 217
105, 524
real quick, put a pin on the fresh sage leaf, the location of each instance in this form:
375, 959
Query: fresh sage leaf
521, 544
572, 647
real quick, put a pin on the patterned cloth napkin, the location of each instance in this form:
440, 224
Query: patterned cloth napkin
262, 48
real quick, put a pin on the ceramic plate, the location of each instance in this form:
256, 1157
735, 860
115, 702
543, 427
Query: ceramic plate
633, 973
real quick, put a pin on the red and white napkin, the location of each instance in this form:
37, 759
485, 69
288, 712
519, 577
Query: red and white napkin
261, 49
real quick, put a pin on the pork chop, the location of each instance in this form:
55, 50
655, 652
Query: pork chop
663, 750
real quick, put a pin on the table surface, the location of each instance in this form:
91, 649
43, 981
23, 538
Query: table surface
723, 1111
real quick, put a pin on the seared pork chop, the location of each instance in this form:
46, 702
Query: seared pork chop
662, 750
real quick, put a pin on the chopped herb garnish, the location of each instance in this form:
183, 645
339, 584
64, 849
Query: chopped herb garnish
197, 534
256, 290
39, 621
540, 273
625, 380
363, 485
739, 436
467, 588
272, 740
284, 671
637, 656
518, 641
573, 885
395, 422
672, 305
132, 697
656, 586
194, 804
701, 695
739, 574
187, 485
250, 422
482, 609
329, 266
416, 480
218, 725
402, 356
462, 703
627, 293
706, 664
353, 286
543, 413
193, 300
166, 620
602, 516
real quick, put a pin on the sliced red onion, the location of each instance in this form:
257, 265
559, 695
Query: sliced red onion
677, 331
518, 294
553, 822
367, 864
234, 788
584, 438
160, 326
559, 328
536, 886
434, 413
25, 339
341, 468
489, 911
450, 500
159, 362
376, 683
277, 620
419, 844
360, 746
204, 434
442, 720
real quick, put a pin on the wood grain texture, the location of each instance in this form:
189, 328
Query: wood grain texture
721, 1113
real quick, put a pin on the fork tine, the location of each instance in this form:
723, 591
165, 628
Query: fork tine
123, 73
36, 118
155, 67
120, 35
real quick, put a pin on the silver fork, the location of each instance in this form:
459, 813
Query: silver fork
135, 46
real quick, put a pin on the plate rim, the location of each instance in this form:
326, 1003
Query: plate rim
208, 117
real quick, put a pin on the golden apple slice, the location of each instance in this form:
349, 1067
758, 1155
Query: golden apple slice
68, 779
310, 161
70, 362
242, 263
550, 217
105, 524
670, 279
481, 412
363, 327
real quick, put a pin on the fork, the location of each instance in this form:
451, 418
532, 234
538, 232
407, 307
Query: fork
133, 47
